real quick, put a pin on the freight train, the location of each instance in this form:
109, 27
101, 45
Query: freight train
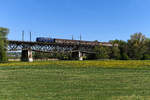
55, 40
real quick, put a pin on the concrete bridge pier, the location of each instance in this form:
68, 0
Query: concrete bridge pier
78, 55
81, 54
27, 56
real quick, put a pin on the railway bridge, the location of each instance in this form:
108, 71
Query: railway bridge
27, 47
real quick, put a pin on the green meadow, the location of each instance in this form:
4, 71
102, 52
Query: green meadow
75, 80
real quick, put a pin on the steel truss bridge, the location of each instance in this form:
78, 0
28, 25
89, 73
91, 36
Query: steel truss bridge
49, 47
52, 47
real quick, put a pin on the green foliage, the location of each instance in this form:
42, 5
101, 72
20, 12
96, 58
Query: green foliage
147, 52
124, 56
102, 52
146, 57
137, 46
64, 56
91, 56
42, 55
3, 44
115, 53
122, 49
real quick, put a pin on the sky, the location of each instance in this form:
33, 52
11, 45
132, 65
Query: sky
101, 20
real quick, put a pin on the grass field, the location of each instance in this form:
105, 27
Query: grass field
75, 80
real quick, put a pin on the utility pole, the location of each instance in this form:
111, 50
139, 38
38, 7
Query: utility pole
23, 35
30, 36
80, 37
72, 37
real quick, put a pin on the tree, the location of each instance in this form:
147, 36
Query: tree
136, 46
123, 49
102, 52
3, 44
146, 55
115, 53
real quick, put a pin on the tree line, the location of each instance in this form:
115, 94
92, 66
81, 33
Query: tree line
136, 48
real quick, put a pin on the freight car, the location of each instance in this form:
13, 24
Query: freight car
76, 41
55, 40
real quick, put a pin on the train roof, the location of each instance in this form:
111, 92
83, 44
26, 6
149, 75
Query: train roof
84, 41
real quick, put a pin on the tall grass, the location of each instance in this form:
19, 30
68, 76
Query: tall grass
106, 64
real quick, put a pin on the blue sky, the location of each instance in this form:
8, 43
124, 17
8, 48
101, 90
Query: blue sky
101, 20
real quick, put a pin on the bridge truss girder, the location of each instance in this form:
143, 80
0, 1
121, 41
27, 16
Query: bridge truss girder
48, 47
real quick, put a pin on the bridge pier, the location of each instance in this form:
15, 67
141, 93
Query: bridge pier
80, 55
27, 56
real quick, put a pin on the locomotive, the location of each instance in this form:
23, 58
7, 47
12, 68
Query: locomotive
54, 40
45, 39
